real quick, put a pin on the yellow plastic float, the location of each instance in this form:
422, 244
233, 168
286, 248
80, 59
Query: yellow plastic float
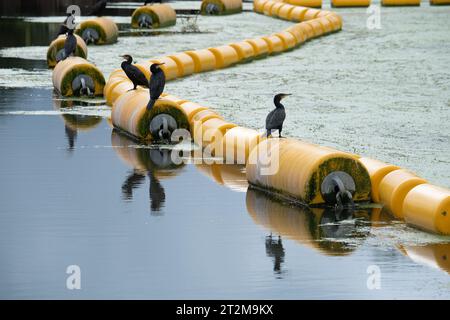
350, 3
238, 142
274, 43
55, 50
220, 7
209, 134
130, 115
77, 76
225, 56
428, 207
377, 171
185, 63
98, 31
204, 60
244, 50
260, 47
303, 172
154, 16
394, 187
191, 109
439, 2
305, 3
387, 3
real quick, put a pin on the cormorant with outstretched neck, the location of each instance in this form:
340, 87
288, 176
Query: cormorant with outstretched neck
133, 73
98, 8
157, 83
275, 118
63, 28
70, 45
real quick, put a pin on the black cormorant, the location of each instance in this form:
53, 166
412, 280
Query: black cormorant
133, 73
157, 83
98, 8
275, 118
70, 45
146, 2
63, 28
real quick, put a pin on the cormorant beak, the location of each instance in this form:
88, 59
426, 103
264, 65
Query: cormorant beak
286, 94
160, 64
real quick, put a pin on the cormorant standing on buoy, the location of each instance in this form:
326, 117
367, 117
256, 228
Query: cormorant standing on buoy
70, 45
133, 73
275, 118
98, 8
157, 83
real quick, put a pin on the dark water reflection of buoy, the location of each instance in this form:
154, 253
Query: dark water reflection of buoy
145, 161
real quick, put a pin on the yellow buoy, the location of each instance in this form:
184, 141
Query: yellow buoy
220, 7
258, 5
439, 2
98, 31
400, 3
154, 16
298, 33
191, 109
244, 50
260, 47
185, 63
297, 14
428, 207
377, 171
306, 3
77, 76
204, 60
285, 11
225, 56
350, 3
274, 43
310, 14
130, 115
209, 134
238, 142
394, 187
302, 171
55, 51
288, 39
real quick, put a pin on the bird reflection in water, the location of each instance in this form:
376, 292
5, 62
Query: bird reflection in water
73, 123
275, 250
154, 163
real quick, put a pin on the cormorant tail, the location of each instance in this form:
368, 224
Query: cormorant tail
151, 103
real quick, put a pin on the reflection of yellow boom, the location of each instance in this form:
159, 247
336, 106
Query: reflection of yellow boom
433, 255
316, 228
